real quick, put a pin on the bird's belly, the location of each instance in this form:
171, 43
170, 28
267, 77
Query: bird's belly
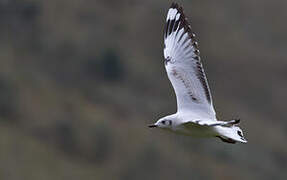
196, 131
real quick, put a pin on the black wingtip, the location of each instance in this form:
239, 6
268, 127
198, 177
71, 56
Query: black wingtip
174, 5
236, 121
183, 19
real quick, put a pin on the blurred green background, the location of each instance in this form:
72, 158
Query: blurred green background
81, 79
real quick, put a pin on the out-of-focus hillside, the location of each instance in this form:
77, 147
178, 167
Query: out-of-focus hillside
80, 80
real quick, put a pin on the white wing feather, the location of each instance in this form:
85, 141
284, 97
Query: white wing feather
184, 68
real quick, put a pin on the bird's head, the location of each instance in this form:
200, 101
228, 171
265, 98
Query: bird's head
162, 123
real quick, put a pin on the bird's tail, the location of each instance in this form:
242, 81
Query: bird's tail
230, 134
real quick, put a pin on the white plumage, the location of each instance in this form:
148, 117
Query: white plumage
195, 113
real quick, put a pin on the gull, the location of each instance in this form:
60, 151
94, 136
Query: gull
195, 114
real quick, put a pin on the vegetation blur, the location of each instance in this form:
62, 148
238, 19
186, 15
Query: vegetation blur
80, 80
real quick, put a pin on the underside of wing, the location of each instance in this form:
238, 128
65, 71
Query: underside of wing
210, 123
183, 65
201, 123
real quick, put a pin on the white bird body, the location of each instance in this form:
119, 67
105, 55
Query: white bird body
195, 112
191, 129
188, 124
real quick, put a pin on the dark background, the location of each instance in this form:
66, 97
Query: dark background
81, 79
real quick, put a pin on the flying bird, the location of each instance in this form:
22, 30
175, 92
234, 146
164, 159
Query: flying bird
195, 114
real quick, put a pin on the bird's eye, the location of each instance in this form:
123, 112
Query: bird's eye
163, 122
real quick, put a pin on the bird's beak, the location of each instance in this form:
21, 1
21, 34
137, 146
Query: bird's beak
152, 126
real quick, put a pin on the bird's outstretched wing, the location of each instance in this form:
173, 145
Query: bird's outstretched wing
184, 67
210, 122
